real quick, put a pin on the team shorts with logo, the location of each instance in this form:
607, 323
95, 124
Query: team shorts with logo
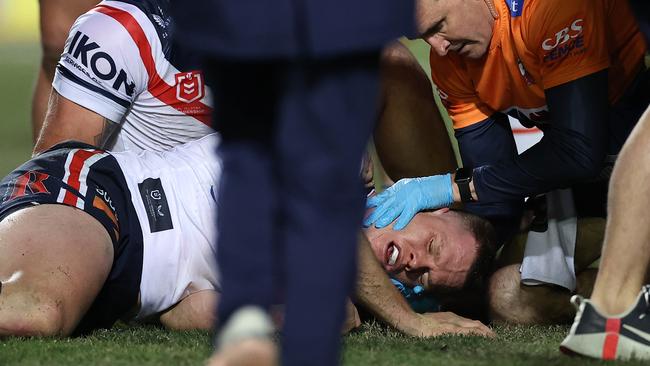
82, 176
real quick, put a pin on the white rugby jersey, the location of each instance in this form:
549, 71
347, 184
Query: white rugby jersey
174, 195
118, 62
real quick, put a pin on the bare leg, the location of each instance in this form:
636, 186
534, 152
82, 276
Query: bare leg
56, 259
196, 311
515, 303
57, 17
411, 137
520, 304
626, 252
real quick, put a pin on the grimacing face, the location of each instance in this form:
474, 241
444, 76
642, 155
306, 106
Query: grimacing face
461, 26
434, 250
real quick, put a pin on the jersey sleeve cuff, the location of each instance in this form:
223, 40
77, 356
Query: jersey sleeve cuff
89, 96
573, 74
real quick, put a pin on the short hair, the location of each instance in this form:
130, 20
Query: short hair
486, 248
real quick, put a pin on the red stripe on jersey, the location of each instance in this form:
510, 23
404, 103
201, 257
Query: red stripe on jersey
612, 329
156, 86
521, 131
77, 163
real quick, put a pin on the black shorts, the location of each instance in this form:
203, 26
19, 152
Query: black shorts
81, 176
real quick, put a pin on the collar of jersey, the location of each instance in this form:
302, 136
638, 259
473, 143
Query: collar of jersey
500, 24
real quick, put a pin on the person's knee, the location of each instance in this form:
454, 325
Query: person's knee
503, 294
32, 315
512, 302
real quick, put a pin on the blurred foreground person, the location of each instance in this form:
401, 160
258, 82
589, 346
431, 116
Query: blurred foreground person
296, 85
56, 17
614, 323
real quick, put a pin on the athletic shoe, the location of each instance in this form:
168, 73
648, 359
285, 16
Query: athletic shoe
625, 336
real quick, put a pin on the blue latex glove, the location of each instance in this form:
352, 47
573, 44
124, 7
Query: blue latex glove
407, 197
415, 296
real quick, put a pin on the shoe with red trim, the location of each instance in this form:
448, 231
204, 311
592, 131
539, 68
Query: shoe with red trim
622, 337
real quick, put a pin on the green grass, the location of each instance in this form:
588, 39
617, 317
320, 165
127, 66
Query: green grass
372, 345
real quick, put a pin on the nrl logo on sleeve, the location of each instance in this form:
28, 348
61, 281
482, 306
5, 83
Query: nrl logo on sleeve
189, 86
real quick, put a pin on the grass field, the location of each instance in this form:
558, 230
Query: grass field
372, 345
18, 65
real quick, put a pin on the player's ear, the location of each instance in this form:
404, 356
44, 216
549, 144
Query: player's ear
441, 211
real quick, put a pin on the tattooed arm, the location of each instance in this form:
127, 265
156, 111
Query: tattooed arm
66, 120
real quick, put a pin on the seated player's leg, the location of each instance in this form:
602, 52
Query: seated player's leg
57, 17
410, 137
55, 260
196, 311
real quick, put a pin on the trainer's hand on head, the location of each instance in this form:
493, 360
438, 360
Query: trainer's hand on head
436, 324
407, 197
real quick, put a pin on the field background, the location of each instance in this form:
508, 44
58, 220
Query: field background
19, 58
371, 345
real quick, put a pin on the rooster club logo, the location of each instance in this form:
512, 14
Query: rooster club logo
189, 86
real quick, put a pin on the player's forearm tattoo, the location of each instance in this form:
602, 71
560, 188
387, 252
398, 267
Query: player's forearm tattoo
104, 138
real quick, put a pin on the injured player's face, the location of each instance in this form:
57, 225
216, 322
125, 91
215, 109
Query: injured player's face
435, 250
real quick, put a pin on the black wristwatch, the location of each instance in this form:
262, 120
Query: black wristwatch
462, 179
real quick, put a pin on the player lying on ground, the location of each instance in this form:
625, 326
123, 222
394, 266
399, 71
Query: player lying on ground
89, 237
85, 105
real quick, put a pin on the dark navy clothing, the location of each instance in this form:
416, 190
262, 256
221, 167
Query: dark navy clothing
641, 9
584, 131
292, 141
253, 29
295, 86
43, 180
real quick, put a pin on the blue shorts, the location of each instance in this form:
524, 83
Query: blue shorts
81, 176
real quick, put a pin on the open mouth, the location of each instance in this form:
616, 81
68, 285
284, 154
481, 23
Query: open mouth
392, 254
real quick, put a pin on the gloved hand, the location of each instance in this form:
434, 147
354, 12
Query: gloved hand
407, 197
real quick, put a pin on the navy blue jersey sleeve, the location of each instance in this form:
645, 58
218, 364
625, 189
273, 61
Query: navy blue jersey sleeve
573, 148
484, 144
